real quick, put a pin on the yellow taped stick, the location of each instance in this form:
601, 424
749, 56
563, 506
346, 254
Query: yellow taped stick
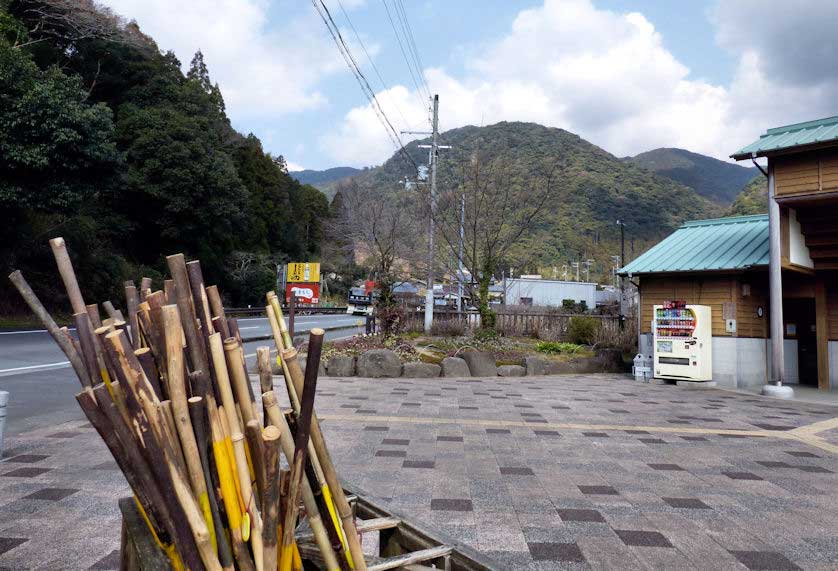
168, 549
330, 504
204, 502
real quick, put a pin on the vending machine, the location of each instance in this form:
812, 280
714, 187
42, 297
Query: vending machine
682, 342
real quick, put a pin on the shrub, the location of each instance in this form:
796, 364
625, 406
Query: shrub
615, 338
485, 334
582, 330
556, 348
450, 328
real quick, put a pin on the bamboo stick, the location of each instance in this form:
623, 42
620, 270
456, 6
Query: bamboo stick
112, 312
253, 436
73, 355
315, 345
171, 428
68, 276
145, 288
329, 472
235, 357
91, 348
93, 312
169, 291
270, 495
315, 520
180, 408
217, 309
186, 309
132, 301
146, 359
199, 297
218, 536
224, 463
147, 423
263, 365
250, 501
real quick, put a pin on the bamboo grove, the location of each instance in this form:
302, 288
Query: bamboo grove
165, 384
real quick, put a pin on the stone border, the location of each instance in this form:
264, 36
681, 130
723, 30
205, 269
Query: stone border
380, 363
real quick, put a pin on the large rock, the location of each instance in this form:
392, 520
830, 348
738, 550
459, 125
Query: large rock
454, 367
420, 370
303, 359
341, 366
536, 366
480, 363
511, 371
377, 363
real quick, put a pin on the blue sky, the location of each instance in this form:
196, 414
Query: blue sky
628, 75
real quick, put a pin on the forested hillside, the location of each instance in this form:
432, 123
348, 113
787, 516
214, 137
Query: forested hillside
324, 180
105, 141
590, 190
752, 200
716, 180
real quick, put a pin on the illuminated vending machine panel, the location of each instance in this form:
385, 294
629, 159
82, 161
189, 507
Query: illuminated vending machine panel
682, 342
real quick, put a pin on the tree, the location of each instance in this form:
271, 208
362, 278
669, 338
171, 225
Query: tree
379, 231
499, 214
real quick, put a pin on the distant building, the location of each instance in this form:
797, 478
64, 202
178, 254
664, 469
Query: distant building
529, 291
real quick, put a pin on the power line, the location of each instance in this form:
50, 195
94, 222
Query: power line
343, 48
384, 85
412, 43
410, 66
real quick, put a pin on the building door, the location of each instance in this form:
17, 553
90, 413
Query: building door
801, 313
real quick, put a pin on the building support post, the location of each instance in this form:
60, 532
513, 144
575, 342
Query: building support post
775, 387
822, 333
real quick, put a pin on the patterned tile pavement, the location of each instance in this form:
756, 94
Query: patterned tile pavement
572, 472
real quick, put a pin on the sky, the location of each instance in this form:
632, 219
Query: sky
628, 75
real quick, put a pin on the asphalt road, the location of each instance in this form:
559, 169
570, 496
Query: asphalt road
42, 385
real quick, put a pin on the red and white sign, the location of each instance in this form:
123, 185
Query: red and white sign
305, 293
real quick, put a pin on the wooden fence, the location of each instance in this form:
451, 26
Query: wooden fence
542, 325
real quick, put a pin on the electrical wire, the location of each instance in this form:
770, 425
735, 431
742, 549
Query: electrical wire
343, 48
407, 59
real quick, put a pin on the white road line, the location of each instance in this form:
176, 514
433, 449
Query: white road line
29, 331
251, 327
32, 367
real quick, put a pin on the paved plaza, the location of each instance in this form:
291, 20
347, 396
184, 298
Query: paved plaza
593, 471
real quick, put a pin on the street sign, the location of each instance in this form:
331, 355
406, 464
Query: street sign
303, 272
305, 293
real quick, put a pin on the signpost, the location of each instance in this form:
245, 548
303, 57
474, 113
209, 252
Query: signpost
304, 293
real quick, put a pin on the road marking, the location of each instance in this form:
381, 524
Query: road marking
33, 367
251, 327
29, 331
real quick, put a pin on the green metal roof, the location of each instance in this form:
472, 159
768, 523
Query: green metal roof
797, 135
734, 243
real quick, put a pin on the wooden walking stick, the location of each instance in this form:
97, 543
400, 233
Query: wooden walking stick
315, 346
112, 312
93, 312
132, 302
344, 510
145, 288
183, 295
315, 520
180, 410
241, 384
250, 501
199, 425
217, 309
199, 297
49, 324
270, 497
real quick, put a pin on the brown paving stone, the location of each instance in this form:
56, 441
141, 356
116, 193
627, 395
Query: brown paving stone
549, 551
637, 538
9, 543
28, 458
598, 490
741, 476
516, 471
764, 560
451, 505
28, 472
581, 515
51, 494
687, 503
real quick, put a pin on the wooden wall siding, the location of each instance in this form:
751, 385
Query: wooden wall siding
712, 291
832, 309
748, 321
807, 173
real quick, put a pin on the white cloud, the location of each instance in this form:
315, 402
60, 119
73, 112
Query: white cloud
608, 77
264, 71
294, 167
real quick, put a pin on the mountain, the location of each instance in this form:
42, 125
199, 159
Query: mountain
324, 180
592, 189
716, 180
752, 200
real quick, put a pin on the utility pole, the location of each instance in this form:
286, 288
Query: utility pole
460, 259
622, 226
434, 151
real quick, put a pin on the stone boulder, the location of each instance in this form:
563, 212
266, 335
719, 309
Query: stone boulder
303, 359
420, 370
536, 366
377, 363
511, 371
454, 367
341, 366
480, 363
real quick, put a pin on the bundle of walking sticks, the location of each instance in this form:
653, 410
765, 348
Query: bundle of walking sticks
167, 388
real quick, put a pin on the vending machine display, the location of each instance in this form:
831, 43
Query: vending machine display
682, 342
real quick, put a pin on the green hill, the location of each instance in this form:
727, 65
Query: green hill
324, 180
716, 180
592, 190
752, 200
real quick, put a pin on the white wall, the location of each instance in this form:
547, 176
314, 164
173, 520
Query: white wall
798, 252
739, 362
549, 292
832, 351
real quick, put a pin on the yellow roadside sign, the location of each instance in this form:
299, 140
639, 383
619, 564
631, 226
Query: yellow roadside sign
303, 272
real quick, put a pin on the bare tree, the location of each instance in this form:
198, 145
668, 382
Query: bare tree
67, 22
500, 212
379, 231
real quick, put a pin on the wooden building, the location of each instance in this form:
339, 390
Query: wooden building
771, 280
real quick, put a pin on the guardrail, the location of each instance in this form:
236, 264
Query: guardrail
298, 309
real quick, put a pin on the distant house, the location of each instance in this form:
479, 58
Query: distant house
531, 291
770, 280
